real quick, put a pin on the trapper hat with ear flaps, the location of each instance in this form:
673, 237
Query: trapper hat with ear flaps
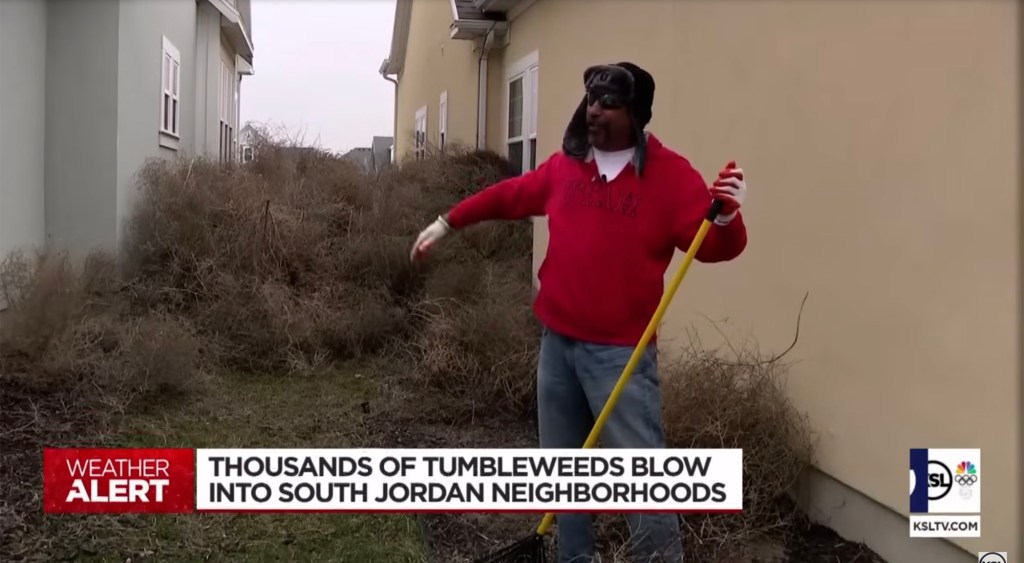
626, 80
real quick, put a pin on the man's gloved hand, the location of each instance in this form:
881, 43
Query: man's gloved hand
731, 190
428, 237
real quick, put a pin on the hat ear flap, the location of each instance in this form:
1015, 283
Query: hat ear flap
575, 142
640, 151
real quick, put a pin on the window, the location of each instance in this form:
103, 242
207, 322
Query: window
420, 147
515, 123
236, 84
247, 153
521, 135
531, 132
227, 112
170, 90
442, 117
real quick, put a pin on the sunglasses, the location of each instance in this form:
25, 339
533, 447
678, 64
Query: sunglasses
607, 100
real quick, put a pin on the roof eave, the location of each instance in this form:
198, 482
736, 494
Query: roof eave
475, 29
231, 22
496, 5
399, 38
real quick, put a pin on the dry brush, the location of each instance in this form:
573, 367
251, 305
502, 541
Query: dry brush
298, 261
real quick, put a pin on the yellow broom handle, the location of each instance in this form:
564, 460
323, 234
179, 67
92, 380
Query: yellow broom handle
627, 372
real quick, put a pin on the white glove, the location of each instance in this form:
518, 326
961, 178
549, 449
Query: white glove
429, 236
731, 190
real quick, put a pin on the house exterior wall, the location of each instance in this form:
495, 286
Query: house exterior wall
23, 39
435, 63
81, 124
229, 86
830, 114
207, 80
883, 180
143, 26
82, 110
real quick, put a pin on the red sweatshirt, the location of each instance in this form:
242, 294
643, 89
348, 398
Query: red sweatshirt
610, 244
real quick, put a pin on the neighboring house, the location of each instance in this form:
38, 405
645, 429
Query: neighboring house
374, 158
247, 143
381, 152
363, 156
91, 89
879, 149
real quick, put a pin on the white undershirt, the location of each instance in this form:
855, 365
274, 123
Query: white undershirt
610, 164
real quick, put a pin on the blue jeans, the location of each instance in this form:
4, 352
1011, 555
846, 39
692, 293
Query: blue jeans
574, 379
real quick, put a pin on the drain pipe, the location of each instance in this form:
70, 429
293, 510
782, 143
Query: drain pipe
481, 89
394, 127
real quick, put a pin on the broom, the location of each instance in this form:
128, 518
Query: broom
531, 548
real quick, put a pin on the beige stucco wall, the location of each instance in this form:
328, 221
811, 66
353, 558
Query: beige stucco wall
435, 63
882, 157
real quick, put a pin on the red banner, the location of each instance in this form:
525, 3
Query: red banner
92, 480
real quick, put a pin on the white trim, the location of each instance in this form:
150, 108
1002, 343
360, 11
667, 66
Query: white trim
442, 121
526, 69
243, 67
170, 95
531, 124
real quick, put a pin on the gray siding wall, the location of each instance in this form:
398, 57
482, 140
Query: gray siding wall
81, 124
22, 114
143, 25
207, 80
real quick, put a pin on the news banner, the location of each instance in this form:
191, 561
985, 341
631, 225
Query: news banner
945, 484
392, 480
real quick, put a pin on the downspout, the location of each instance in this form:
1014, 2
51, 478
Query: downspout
481, 89
394, 127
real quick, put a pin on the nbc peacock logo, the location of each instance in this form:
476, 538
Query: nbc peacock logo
966, 476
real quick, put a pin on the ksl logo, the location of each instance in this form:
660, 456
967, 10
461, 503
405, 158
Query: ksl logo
936, 472
940, 480
992, 557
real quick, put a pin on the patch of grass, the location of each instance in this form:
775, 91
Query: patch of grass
261, 411
249, 411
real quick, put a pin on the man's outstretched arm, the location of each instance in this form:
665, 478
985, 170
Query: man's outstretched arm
514, 198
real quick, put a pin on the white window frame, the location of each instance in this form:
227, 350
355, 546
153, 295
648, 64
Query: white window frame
442, 118
526, 69
170, 94
420, 140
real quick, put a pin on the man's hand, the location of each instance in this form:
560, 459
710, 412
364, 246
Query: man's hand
428, 237
731, 190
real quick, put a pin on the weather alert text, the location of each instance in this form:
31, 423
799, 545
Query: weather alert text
113, 480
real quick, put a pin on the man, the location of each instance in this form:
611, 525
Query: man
618, 204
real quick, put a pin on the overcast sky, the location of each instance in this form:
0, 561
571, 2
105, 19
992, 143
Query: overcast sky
316, 64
